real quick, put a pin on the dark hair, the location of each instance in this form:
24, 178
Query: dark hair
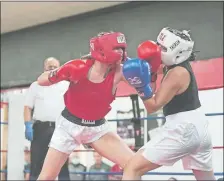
179, 33
103, 33
85, 57
172, 178
193, 56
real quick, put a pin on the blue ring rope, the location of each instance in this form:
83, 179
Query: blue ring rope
148, 118
120, 173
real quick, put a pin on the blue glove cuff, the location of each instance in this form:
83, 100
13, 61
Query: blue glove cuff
28, 123
145, 92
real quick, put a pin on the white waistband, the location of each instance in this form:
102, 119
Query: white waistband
187, 116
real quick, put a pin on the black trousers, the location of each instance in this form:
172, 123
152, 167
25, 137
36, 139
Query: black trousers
42, 133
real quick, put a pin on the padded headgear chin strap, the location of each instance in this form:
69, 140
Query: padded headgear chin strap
102, 47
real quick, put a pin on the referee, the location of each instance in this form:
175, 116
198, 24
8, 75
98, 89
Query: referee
43, 104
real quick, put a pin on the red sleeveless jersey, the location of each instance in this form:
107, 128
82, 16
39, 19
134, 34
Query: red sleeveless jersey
88, 100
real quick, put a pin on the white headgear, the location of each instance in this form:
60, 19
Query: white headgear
176, 46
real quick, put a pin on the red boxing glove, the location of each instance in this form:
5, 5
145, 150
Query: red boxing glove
70, 71
151, 52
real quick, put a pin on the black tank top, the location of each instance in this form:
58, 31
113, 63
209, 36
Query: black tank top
186, 101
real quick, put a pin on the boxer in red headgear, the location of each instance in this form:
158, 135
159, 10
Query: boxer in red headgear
102, 48
93, 82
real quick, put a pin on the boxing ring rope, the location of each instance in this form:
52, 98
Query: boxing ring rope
120, 173
91, 150
147, 118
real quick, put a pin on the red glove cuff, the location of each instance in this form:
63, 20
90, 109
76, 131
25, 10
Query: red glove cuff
53, 77
153, 77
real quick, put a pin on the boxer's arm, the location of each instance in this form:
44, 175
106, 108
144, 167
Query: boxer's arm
121, 75
43, 79
70, 71
153, 86
172, 83
27, 114
30, 101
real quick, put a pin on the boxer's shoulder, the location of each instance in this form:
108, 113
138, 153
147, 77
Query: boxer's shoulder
179, 71
118, 74
76, 60
34, 84
88, 62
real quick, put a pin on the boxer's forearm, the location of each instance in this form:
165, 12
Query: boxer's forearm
151, 105
162, 96
27, 113
153, 86
43, 79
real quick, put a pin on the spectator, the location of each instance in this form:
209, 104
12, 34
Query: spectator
46, 104
98, 166
76, 166
122, 130
115, 168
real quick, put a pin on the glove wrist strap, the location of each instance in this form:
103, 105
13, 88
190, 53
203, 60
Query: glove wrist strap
143, 96
52, 77
153, 77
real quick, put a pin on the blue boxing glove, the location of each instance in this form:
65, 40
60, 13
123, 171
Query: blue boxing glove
137, 73
29, 130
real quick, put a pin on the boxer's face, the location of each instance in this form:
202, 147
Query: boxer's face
97, 158
51, 65
120, 51
74, 158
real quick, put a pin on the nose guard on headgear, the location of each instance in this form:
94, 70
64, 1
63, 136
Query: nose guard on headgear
102, 47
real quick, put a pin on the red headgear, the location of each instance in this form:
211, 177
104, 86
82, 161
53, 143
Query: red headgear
102, 47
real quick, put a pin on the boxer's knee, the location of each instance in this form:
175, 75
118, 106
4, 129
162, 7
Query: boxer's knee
47, 176
139, 165
133, 168
203, 175
135, 165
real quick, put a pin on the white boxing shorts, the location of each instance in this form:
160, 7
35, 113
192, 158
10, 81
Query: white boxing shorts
184, 136
67, 135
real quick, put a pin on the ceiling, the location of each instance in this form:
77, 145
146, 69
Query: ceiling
19, 15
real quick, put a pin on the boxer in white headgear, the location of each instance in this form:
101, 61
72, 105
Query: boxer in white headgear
185, 134
176, 46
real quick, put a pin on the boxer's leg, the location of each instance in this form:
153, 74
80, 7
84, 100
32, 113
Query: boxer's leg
112, 147
200, 161
138, 166
108, 144
61, 146
203, 175
52, 164
157, 152
166, 148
